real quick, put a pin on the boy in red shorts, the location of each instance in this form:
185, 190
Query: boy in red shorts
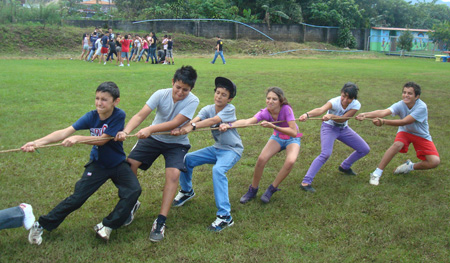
412, 128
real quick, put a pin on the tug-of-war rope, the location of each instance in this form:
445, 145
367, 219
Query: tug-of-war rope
168, 133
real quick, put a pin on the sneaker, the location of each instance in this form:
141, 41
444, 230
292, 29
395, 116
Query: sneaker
268, 194
128, 65
104, 63
29, 218
121, 65
221, 223
157, 233
35, 235
404, 168
348, 171
133, 213
182, 197
249, 195
211, 62
307, 188
103, 232
374, 180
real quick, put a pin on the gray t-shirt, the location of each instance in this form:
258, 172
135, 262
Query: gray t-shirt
229, 140
166, 110
336, 109
419, 112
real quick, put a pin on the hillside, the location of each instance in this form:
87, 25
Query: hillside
28, 41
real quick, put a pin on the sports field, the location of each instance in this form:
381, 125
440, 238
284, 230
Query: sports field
404, 219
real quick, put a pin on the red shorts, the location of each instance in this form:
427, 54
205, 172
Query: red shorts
104, 50
422, 146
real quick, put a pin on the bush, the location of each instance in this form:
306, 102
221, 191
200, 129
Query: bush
405, 41
346, 38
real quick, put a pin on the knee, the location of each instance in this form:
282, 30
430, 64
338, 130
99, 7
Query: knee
397, 146
434, 162
324, 156
261, 161
365, 151
218, 172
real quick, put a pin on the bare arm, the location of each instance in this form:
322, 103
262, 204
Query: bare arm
165, 126
348, 114
200, 124
374, 114
134, 122
315, 112
402, 122
55, 136
291, 130
224, 126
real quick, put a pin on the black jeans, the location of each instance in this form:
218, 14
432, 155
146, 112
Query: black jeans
93, 177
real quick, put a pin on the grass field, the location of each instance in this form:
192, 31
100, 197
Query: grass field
404, 219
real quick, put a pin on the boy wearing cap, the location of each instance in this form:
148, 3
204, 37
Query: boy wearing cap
224, 154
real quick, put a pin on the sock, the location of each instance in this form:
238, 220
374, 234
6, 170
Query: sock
29, 218
161, 219
378, 172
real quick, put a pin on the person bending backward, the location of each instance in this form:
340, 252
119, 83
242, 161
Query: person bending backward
332, 129
412, 128
107, 161
174, 107
223, 154
285, 137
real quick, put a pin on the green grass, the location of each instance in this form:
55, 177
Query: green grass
404, 219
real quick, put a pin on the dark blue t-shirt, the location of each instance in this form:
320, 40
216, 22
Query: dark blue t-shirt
170, 44
104, 41
110, 154
93, 39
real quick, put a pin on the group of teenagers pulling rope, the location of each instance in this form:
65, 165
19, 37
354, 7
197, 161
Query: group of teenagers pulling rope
167, 135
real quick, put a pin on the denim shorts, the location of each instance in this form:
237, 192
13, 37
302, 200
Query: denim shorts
284, 143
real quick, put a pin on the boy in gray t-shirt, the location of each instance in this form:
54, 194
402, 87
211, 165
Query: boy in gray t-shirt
223, 154
412, 128
174, 107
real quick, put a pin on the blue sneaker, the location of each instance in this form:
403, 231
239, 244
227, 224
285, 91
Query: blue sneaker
221, 223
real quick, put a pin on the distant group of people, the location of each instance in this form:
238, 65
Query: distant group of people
126, 48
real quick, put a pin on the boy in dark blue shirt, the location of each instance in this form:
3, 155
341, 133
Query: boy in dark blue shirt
107, 161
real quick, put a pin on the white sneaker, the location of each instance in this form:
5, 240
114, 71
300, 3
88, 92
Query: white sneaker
121, 65
29, 218
404, 168
103, 231
374, 180
35, 235
104, 63
128, 65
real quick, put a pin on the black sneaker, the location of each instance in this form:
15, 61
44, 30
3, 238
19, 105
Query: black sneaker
348, 171
221, 223
182, 197
157, 233
307, 188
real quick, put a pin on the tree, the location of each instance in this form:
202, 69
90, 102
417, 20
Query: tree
342, 13
441, 33
405, 41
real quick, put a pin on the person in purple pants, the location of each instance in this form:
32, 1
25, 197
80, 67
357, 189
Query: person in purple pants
333, 129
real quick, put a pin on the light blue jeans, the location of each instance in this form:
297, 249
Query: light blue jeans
223, 161
217, 54
11, 217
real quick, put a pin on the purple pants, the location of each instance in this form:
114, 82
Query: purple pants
330, 133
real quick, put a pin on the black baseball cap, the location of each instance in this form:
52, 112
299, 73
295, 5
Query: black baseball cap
227, 84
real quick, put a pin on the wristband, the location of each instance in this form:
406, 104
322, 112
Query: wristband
125, 132
230, 124
307, 115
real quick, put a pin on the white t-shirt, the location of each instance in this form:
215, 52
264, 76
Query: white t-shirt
166, 110
419, 112
164, 42
336, 109
229, 140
